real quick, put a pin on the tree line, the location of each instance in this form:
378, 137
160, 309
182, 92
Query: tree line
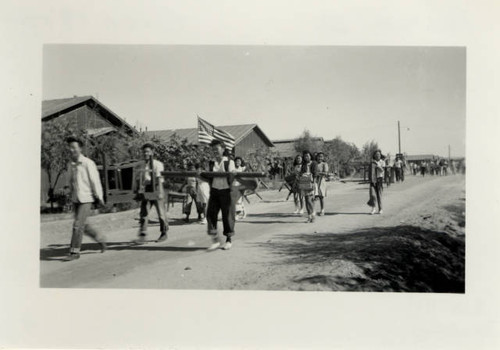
340, 154
176, 153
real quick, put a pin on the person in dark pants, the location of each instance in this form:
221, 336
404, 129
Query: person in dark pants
423, 168
222, 197
387, 171
376, 176
191, 188
159, 204
85, 188
398, 167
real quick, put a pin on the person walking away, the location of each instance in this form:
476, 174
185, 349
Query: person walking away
398, 166
307, 178
376, 175
403, 168
298, 198
321, 181
423, 168
443, 165
85, 188
221, 198
146, 176
191, 189
387, 171
241, 213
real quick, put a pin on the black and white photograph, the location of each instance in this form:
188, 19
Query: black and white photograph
289, 168
265, 174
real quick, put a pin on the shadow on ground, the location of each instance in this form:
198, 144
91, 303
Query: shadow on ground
56, 252
457, 212
398, 259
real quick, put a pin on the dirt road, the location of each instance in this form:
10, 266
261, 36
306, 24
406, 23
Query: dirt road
405, 249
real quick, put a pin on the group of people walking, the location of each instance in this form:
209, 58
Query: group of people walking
216, 195
438, 167
212, 196
308, 183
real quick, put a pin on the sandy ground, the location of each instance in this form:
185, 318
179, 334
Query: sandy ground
417, 245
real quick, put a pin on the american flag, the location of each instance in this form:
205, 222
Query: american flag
207, 132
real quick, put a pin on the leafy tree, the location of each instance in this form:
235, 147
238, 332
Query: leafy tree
55, 153
340, 154
260, 158
112, 145
368, 149
307, 142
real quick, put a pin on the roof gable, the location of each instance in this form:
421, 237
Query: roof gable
54, 108
239, 132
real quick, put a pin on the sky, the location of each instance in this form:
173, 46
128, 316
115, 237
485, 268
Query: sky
356, 92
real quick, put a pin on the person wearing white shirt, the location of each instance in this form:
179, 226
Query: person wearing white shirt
221, 197
159, 204
241, 212
86, 189
398, 166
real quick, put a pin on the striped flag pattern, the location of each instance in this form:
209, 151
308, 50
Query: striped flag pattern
207, 132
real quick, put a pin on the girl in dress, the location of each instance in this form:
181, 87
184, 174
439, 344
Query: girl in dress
240, 207
203, 194
308, 172
298, 198
376, 176
321, 181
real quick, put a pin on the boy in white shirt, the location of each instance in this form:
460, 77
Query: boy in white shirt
221, 198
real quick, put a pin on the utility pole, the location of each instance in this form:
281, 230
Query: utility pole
449, 153
399, 137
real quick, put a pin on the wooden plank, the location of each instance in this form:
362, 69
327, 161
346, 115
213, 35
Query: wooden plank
211, 174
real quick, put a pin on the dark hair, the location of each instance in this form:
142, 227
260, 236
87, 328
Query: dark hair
306, 152
217, 142
148, 145
241, 159
72, 139
318, 154
295, 160
375, 152
227, 153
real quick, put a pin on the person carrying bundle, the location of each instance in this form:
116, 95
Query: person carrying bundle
148, 173
306, 183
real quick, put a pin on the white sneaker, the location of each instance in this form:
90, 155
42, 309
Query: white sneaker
215, 244
203, 221
373, 211
296, 211
380, 211
227, 246
301, 211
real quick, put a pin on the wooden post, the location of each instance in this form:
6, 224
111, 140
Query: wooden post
399, 138
105, 170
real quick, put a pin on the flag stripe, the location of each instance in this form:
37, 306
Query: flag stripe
207, 132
